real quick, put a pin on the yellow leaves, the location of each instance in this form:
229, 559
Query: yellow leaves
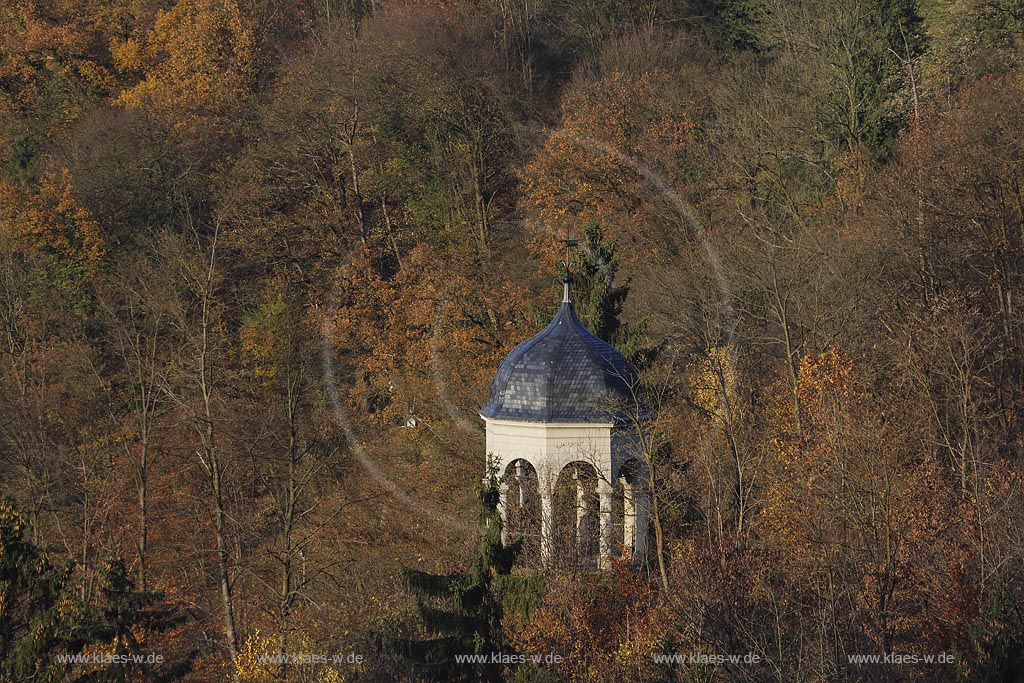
256, 345
201, 54
712, 381
258, 647
51, 220
263, 339
127, 54
776, 511
250, 668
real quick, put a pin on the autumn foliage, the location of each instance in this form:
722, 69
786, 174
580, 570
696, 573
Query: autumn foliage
260, 260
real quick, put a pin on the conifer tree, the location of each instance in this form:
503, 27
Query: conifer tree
597, 297
462, 611
125, 612
993, 651
34, 607
40, 618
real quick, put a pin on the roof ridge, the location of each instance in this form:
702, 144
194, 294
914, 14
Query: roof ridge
589, 336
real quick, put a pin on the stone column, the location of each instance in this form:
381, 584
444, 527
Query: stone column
581, 514
547, 526
642, 507
604, 495
521, 476
628, 517
503, 511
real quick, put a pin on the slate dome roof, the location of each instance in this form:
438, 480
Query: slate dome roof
563, 374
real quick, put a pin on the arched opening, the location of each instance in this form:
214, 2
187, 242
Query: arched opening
631, 512
523, 509
575, 536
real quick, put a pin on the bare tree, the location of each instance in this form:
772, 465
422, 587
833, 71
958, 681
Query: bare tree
134, 302
294, 450
196, 388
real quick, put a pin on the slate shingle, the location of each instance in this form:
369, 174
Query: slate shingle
564, 374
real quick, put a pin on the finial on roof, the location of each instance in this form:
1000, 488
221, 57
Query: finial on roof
569, 243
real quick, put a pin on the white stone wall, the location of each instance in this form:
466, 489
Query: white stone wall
550, 446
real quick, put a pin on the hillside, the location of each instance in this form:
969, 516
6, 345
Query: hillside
260, 260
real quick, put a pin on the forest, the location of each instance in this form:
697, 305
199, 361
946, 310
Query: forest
260, 260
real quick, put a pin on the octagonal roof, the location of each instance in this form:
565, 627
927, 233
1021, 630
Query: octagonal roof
564, 374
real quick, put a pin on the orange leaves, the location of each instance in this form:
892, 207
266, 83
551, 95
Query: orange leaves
825, 384
604, 627
426, 337
624, 141
51, 220
46, 75
38, 52
200, 55
630, 114
422, 344
857, 496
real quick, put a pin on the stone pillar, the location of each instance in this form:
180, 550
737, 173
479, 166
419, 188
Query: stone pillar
547, 526
581, 514
628, 517
642, 507
604, 495
521, 476
503, 511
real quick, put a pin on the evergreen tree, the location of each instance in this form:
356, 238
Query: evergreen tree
728, 24
597, 297
125, 612
894, 27
35, 609
41, 618
993, 652
462, 611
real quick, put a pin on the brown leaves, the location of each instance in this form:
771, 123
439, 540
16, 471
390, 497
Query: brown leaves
51, 220
604, 628
626, 143
429, 335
